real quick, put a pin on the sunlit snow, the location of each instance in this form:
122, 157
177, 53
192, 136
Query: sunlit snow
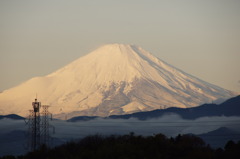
114, 79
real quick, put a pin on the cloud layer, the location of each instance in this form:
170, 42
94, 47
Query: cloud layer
170, 125
11, 142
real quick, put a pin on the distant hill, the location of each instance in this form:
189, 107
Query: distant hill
12, 116
219, 137
230, 107
82, 118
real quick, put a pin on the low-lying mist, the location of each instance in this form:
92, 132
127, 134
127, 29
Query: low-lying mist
170, 125
13, 140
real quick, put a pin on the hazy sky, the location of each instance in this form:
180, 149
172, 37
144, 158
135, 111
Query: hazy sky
201, 37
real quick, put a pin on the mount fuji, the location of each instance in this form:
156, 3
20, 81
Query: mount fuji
112, 80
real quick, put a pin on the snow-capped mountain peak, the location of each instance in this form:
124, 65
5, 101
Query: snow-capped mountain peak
114, 79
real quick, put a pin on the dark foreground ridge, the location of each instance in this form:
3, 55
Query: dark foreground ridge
231, 107
135, 147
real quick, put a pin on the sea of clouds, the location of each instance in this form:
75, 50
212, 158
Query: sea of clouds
169, 125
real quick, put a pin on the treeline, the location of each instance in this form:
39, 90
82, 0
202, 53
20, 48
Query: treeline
135, 147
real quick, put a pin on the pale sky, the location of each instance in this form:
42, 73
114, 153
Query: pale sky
200, 37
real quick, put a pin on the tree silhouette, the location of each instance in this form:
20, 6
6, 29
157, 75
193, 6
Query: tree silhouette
133, 146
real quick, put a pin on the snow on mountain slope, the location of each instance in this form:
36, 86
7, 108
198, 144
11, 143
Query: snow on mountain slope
114, 79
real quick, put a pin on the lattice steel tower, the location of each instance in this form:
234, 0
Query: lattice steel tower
38, 125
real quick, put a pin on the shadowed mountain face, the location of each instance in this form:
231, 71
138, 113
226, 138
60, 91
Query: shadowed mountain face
114, 79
